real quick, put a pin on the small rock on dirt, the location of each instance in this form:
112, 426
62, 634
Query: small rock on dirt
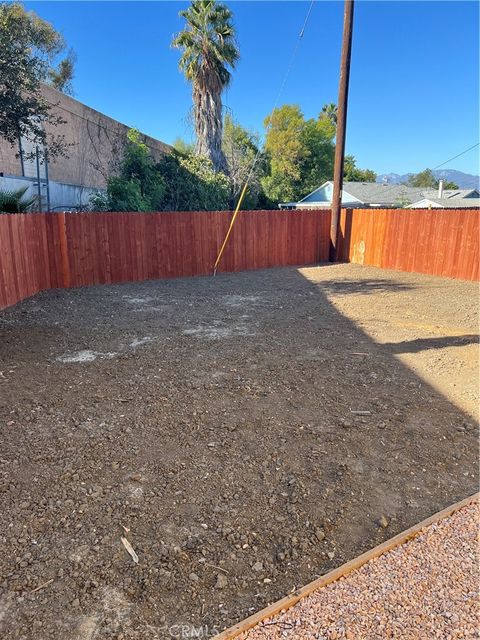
221, 582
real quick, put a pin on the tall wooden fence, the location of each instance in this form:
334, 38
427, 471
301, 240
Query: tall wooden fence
43, 251
439, 242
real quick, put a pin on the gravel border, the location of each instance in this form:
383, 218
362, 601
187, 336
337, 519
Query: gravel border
425, 588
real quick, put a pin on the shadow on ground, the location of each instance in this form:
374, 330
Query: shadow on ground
422, 344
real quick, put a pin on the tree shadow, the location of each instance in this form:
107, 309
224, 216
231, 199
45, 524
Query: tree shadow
422, 344
364, 287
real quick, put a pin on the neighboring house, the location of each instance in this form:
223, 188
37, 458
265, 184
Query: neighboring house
442, 203
448, 199
95, 147
379, 195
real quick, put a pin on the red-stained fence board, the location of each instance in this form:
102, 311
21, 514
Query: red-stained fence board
41, 251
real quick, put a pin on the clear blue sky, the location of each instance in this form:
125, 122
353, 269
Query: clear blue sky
414, 89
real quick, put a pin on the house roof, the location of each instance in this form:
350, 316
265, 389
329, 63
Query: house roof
452, 193
370, 193
446, 203
377, 193
381, 195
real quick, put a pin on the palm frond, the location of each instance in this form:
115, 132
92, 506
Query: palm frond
12, 201
209, 52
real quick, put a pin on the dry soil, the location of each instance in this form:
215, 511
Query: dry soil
245, 433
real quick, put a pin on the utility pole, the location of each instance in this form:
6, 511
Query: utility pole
341, 126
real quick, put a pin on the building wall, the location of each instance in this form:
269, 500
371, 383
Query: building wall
9, 164
95, 144
62, 196
322, 194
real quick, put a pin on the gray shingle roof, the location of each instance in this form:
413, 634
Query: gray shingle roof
454, 203
449, 193
384, 194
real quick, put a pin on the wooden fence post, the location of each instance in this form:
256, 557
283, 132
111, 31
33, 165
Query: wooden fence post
62, 232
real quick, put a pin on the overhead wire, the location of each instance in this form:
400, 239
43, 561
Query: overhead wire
457, 156
257, 155
395, 185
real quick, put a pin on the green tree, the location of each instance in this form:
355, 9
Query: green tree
179, 182
139, 186
447, 184
183, 147
192, 184
285, 150
300, 153
61, 77
29, 52
426, 179
241, 149
329, 111
423, 179
351, 173
209, 52
317, 136
15, 201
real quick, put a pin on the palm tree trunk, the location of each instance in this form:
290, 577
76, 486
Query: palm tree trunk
208, 125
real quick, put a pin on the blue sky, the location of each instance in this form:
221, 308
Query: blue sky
414, 87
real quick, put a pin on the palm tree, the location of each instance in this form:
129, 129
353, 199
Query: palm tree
208, 50
330, 111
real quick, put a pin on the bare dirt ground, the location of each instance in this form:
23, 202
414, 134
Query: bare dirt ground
245, 433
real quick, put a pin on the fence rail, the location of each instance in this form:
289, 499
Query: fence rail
43, 251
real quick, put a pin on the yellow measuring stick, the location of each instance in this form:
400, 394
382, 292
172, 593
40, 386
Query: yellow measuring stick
237, 209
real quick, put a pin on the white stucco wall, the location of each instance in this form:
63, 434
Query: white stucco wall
61, 194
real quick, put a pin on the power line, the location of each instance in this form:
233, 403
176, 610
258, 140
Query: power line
294, 54
257, 155
284, 81
457, 156
393, 186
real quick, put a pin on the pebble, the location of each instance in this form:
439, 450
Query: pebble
319, 534
221, 582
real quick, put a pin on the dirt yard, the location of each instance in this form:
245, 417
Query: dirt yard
245, 433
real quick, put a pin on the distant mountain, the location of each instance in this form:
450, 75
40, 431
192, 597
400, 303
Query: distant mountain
464, 180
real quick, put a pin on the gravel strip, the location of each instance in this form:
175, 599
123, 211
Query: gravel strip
424, 589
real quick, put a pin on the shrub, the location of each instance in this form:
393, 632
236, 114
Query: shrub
179, 182
192, 184
126, 195
99, 201
14, 201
